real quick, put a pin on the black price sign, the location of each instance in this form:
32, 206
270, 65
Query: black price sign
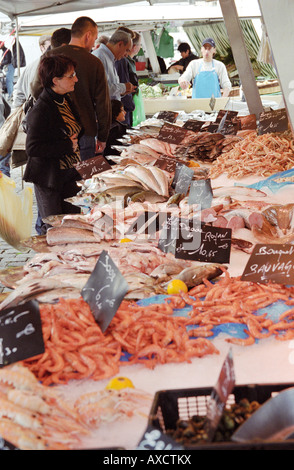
193, 125
273, 121
219, 396
182, 179
204, 243
201, 193
172, 134
270, 262
166, 163
169, 116
105, 290
175, 228
154, 439
92, 166
20, 333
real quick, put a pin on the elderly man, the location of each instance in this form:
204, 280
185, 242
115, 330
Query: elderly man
208, 75
91, 93
119, 46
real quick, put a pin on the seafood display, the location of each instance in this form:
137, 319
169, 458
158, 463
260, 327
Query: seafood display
235, 301
110, 405
261, 155
152, 329
75, 347
35, 417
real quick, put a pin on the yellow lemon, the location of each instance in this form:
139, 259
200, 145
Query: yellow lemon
175, 286
125, 240
192, 163
117, 383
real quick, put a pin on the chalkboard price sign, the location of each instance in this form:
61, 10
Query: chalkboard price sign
105, 290
219, 395
166, 163
193, 125
273, 121
182, 179
92, 166
204, 243
169, 116
172, 134
20, 333
201, 193
154, 439
270, 262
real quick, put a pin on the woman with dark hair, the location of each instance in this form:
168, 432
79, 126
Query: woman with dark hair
53, 130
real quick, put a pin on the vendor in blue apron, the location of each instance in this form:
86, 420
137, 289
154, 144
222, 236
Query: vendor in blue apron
208, 76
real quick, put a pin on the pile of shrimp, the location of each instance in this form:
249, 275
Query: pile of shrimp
232, 300
34, 417
76, 348
151, 335
261, 155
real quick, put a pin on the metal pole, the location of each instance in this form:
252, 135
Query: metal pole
241, 57
278, 18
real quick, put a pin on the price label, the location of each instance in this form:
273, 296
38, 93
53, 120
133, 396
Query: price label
219, 396
176, 228
104, 290
154, 439
193, 125
270, 262
20, 333
273, 121
201, 193
169, 116
204, 243
92, 166
182, 179
172, 134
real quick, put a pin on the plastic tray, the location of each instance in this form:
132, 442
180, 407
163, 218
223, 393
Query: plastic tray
170, 405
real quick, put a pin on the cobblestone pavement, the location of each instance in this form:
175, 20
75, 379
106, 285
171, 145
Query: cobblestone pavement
9, 256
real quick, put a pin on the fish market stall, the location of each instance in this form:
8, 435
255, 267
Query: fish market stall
171, 320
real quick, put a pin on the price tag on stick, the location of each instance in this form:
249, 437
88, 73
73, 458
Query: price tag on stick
105, 290
219, 395
92, 166
20, 333
270, 262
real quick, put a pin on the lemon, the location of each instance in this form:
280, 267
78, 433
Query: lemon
117, 383
176, 286
125, 240
192, 163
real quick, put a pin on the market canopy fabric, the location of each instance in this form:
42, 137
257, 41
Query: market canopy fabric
15, 8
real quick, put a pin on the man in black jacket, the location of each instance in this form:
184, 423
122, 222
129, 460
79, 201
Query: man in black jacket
187, 55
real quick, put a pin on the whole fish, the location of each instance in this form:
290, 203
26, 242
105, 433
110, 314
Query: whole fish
61, 235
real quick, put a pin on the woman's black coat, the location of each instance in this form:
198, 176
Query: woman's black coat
47, 141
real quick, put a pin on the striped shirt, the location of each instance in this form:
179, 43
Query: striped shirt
73, 127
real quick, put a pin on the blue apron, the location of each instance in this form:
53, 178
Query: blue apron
206, 84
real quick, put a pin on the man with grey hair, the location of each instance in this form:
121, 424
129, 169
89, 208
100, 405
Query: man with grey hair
118, 46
